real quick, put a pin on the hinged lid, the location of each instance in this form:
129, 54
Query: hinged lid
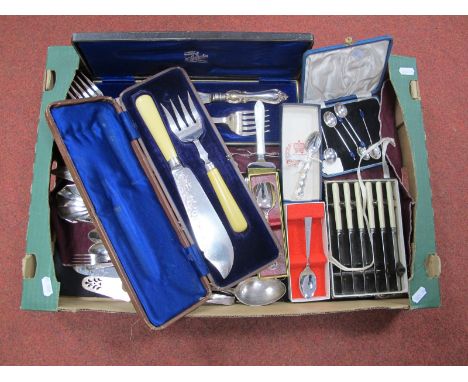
341, 72
158, 262
201, 54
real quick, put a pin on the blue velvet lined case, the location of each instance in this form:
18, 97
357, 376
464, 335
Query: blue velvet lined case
128, 188
99, 146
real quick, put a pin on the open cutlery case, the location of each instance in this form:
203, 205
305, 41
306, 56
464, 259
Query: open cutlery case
350, 77
129, 189
136, 207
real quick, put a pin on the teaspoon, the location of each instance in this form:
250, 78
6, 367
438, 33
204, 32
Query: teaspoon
257, 292
307, 278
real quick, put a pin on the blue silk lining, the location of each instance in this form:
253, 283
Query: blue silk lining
254, 248
164, 275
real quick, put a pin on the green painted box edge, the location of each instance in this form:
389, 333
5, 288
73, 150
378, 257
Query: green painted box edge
403, 70
41, 292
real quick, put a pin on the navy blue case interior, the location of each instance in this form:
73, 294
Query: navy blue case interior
254, 248
158, 267
221, 109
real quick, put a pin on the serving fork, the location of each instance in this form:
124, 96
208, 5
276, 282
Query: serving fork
83, 87
189, 128
240, 122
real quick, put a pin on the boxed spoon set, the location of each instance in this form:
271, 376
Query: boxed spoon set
229, 175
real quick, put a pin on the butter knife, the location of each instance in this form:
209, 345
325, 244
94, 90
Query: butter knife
272, 96
106, 286
210, 234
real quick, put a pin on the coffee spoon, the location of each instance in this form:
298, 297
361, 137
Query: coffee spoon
342, 112
330, 120
375, 153
329, 154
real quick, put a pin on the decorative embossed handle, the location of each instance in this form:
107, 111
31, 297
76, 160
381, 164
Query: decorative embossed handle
273, 96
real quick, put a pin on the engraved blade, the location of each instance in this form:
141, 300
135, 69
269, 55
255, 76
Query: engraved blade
210, 234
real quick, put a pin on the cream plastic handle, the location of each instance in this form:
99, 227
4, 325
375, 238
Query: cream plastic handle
349, 212
231, 209
336, 205
380, 204
370, 205
150, 114
391, 204
358, 197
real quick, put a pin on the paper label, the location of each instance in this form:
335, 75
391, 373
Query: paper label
418, 295
407, 71
47, 286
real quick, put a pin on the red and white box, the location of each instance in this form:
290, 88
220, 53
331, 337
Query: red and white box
318, 261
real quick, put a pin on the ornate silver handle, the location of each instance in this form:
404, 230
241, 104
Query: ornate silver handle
273, 96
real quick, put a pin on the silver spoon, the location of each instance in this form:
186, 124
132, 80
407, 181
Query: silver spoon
307, 278
329, 155
312, 145
256, 291
330, 120
265, 196
342, 112
375, 153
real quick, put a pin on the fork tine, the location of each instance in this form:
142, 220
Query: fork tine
89, 90
187, 115
92, 85
180, 121
73, 93
82, 91
193, 109
172, 123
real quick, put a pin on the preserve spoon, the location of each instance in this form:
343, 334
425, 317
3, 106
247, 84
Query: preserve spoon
307, 278
265, 196
330, 120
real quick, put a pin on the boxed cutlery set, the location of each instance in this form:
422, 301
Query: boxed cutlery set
229, 175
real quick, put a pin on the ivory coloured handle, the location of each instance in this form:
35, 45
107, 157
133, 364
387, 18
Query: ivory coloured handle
231, 209
150, 114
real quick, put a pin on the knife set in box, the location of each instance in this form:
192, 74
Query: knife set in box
366, 238
163, 193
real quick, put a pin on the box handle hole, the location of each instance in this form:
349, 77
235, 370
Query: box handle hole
29, 266
49, 80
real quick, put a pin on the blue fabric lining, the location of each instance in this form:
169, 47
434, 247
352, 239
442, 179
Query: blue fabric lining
147, 246
255, 247
201, 57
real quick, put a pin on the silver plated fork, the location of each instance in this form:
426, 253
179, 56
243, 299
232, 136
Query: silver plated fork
189, 128
240, 122
83, 87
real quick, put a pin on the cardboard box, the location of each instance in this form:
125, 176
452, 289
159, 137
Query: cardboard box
41, 290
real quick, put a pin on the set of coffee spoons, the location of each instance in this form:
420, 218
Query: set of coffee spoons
336, 121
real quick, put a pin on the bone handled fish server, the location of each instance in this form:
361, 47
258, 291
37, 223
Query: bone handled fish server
209, 232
